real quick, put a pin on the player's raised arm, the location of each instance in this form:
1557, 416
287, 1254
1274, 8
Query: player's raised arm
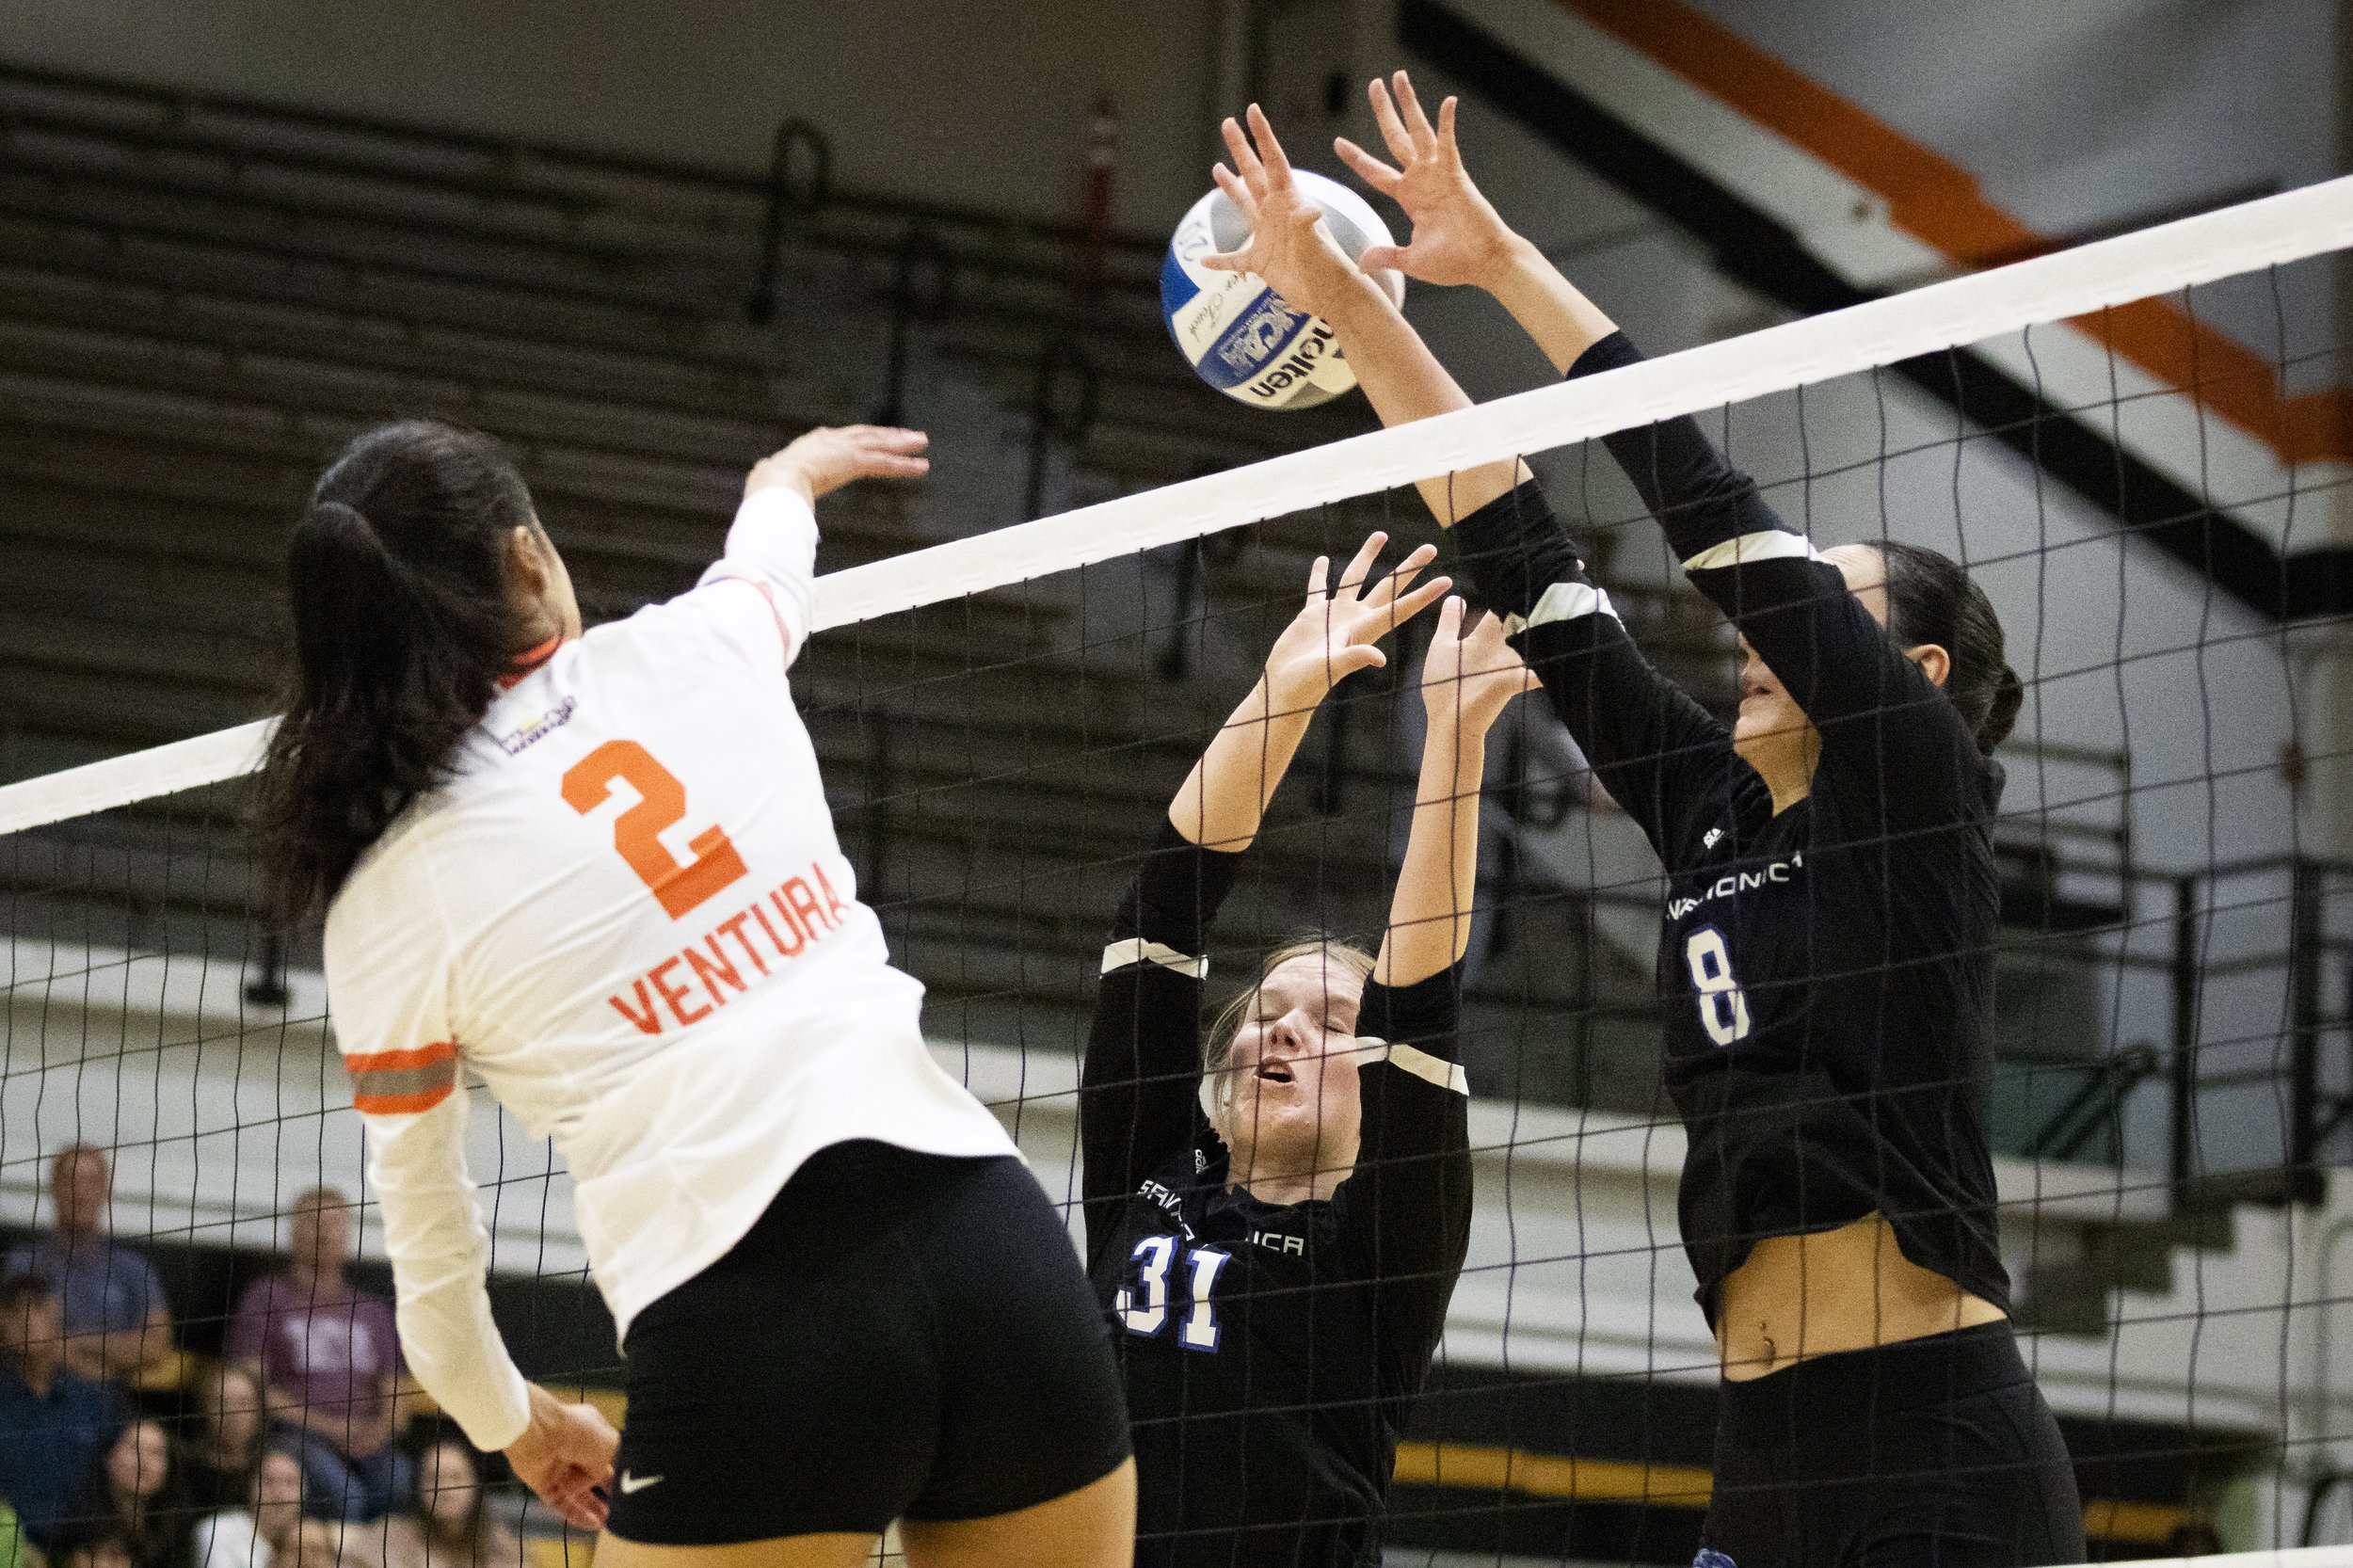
772, 545
1142, 1074
1292, 248
1468, 681
1655, 749
1407, 1210
1458, 237
1811, 640
1337, 632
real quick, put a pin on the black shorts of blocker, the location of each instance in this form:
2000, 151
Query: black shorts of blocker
1933, 1453
901, 1336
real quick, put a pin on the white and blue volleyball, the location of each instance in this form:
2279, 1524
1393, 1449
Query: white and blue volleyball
1240, 335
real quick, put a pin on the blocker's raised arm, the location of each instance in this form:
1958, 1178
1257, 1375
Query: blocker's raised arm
1139, 1083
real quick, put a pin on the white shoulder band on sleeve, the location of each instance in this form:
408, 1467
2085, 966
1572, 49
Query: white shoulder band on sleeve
1135, 950
779, 505
1767, 544
771, 546
1563, 601
1430, 1069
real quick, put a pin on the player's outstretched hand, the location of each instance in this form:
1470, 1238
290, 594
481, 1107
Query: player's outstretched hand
1337, 631
566, 1457
1468, 681
1290, 245
830, 457
1458, 237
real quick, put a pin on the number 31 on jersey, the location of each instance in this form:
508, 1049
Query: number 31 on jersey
1143, 1306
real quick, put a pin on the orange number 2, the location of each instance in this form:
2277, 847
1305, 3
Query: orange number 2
662, 801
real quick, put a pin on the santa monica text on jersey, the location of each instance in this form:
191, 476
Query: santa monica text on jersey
1731, 883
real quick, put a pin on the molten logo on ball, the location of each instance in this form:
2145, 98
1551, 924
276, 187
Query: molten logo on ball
1238, 335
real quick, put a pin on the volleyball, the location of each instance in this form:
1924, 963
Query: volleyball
1240, 335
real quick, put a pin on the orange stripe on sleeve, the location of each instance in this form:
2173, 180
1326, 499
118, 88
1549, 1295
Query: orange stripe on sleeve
391, 1060
398, 1082
399, 1105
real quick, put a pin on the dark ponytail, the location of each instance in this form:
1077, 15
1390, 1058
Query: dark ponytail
1930, 600
402, 625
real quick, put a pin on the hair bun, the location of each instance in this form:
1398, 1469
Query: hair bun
339, 536
337, 516
2010, 694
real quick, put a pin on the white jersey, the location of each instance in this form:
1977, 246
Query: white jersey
628, 914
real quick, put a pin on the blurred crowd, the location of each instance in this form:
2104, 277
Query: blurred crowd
120, 1451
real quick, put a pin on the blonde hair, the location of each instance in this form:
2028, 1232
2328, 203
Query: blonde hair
1220, 1044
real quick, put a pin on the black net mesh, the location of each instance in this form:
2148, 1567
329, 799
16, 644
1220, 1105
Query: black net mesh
2168, 1096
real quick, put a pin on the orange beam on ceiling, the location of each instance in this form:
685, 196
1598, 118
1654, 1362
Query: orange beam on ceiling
1937, 202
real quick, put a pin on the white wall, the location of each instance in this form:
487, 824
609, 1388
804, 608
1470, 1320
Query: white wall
2082, 116
2078, 114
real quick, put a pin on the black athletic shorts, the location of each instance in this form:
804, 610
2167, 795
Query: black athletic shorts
1936, 1452
901, 1336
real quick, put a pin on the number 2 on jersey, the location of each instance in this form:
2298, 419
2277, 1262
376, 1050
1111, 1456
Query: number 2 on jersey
1153, 1254
1723, 1006
637, 832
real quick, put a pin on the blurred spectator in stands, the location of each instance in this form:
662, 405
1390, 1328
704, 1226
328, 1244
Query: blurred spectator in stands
130, 1500
452, 1526
268, 1529
54, 1425
98, 1551
329, 1358
218, 1467
117, 1320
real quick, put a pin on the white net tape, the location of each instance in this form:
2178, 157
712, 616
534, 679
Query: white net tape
2267, 232
2304, 1557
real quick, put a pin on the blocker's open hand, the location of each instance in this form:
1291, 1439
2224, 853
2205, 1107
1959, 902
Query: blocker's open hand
1468, 681
830, 457
1336, 633
1458, 237
1290, 245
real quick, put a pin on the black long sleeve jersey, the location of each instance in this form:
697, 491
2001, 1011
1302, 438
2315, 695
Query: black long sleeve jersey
1269, 1351
1828, 971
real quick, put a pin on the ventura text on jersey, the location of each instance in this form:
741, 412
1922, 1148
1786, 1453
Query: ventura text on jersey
784, 923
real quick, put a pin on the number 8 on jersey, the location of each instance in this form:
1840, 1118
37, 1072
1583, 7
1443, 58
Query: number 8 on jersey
1723, 1007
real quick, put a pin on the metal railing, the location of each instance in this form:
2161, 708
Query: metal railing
2259, 1011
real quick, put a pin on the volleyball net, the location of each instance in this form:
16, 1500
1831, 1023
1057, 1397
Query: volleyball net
2135, 448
